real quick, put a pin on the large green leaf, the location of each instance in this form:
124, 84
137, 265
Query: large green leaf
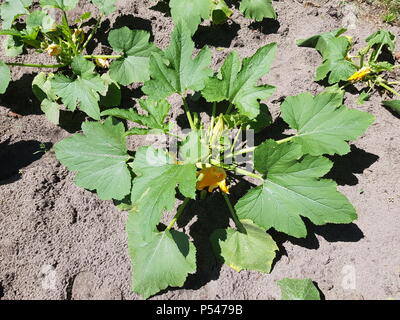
250, 249
155, 119
237, 82
159, 259
41, 87
176, 71
298, 289
190, 12
393, 105
334, 48
65, 5
136, 49
99, 157
5, 77
105, 6
257, 9
382, 38
291, 189
82, 90
323, 124
12, 9
39, 20
153, 190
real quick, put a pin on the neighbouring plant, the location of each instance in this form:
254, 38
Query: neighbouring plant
148, 181
192, 12
372, 65
298, 289
85, 81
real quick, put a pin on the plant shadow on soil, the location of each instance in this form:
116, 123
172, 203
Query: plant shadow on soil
16, 156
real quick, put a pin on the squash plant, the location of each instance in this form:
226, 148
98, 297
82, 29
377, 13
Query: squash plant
79, 80
288, 174
192, 12
368, 66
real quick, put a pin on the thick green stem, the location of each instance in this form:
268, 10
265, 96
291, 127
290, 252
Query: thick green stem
233, 214
91, 35
188, 114
102, 56
32, 65
229, 108
378, 53
70, 42
179, 212
285, 140
383, 85
248, 173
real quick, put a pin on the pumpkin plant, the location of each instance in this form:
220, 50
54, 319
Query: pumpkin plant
369, 66
77, 80
287, 175
192, 12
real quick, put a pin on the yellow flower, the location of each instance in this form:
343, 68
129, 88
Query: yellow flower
102, 63
54, 50
360, 74
78, 36
213, 178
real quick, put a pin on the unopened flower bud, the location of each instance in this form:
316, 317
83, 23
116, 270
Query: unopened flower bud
54, 50
102, 63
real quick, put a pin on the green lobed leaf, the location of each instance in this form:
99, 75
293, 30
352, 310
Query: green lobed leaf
12, 9
176, 71
134, 65
39, 20
292, 188
159, 259
237, 82
334, 48
257, 9
13, 46
252, 249
65, 5
298, 289
393, 105
52, 110
157, 112
112, 96
83, 90
105, 6
220, 11
324, 43
323, 124
382, 37
5, 77
99, 156
153, 190
41, 87
190, 12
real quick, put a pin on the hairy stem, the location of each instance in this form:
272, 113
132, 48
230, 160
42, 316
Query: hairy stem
102, 56
233, 214
91, 35
188, 114
33, 65
179, 212
384, 85
248, 174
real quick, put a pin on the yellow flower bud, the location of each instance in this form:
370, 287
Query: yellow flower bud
54, 50
78, 36
102, 63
